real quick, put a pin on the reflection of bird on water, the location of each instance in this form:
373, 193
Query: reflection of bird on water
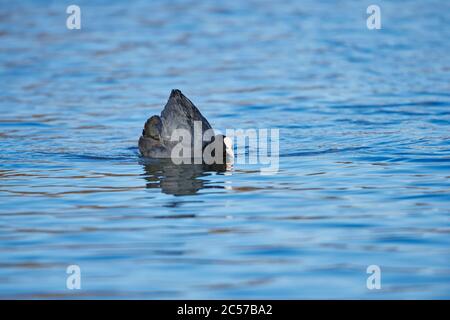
182, 179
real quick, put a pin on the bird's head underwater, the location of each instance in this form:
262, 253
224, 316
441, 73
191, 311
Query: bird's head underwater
182, 132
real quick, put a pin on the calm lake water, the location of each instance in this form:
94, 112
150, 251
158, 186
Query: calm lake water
364, 174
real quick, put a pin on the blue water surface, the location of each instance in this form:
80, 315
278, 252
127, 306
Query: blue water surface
364, 175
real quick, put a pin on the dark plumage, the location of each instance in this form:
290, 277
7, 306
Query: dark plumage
178, 113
